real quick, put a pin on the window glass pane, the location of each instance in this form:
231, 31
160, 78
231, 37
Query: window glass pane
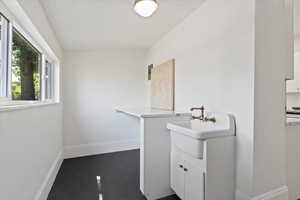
48, 80
25, 83
3, 55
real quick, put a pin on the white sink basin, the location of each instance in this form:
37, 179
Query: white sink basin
189, 136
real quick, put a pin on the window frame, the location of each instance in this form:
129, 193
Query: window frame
6, 93
39, 67
47, 81
4, 67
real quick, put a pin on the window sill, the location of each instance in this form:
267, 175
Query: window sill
20, 105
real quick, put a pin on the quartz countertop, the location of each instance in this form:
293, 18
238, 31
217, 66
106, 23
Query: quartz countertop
144, 112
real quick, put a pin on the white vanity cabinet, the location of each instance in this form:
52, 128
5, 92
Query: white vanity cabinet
203, 158
177, 173
187, 176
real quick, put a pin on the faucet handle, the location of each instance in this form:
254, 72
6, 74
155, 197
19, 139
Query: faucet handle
198, 108
201, 117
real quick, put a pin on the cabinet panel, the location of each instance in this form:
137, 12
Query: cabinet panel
177, 173
194, 182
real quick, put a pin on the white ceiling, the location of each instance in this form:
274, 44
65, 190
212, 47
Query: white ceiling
96, 24
297, 18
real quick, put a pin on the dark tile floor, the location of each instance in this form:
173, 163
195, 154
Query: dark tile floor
119, 172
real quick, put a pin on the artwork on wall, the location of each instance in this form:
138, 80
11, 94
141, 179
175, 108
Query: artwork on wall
163, 86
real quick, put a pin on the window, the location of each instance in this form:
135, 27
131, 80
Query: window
26, 74
3, 56
25, 80
49, 80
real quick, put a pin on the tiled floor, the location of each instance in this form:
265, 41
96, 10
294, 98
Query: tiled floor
119, 172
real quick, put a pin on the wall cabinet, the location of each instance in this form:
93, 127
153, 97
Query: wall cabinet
187, 177
293, 86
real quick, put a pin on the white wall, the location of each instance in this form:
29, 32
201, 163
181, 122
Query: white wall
292, 100
233, 56
94, 83
31, 138
36, 13
293, 86
214, 52
30, 143
297, 44
293, 161
272, 42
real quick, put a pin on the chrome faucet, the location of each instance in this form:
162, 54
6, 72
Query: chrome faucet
202, 117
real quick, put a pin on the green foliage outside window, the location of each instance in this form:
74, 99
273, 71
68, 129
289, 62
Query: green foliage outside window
25, 70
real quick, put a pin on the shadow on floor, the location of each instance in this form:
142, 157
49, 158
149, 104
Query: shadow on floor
119, 172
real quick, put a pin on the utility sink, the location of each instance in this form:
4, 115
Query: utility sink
190, 135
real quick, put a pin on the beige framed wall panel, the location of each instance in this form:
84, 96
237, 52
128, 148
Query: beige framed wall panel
163, 86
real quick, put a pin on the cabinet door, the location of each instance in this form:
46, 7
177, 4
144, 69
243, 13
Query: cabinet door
177, 173
194, 182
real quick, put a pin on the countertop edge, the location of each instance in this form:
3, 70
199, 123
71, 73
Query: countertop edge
141, 114
292, 121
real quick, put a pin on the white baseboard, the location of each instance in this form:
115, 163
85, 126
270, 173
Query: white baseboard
241, 196
45, 188
277, 194
100, 148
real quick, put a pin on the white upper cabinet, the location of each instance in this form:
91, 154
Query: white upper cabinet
293, 86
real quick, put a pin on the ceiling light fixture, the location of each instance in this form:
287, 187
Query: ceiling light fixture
145, 8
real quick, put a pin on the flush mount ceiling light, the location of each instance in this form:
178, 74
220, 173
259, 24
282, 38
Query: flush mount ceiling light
145, 8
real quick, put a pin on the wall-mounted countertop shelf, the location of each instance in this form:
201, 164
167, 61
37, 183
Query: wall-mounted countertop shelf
154, 147
144, 112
